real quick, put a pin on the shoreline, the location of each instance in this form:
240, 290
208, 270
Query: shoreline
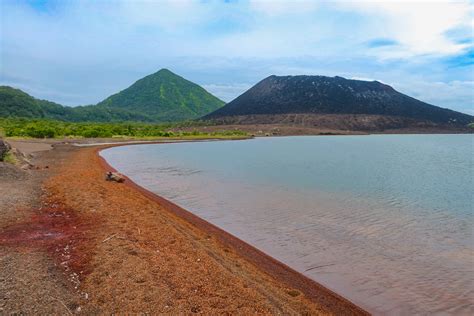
101, 247
117, 221
280, 271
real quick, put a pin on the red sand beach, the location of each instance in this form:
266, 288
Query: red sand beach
115, 247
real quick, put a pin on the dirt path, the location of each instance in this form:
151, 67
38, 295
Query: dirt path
32, 146
100, 247
30, 280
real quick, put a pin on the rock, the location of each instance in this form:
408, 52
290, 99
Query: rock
11, 172
114, 176
21, 159
4, 148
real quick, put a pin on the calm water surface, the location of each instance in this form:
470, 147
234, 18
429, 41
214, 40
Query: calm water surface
385, 220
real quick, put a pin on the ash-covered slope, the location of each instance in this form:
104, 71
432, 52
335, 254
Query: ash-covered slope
278, 95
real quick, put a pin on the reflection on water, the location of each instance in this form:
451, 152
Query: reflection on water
386, 221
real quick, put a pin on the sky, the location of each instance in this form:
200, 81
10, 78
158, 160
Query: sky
80, 52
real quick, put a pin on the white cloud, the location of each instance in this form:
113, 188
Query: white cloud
453, 94
227, 92
420, 28
169, 15
283, 7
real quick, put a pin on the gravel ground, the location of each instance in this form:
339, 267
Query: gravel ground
30, 281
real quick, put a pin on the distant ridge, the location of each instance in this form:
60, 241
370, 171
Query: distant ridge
277, 96
16, 103
159, 97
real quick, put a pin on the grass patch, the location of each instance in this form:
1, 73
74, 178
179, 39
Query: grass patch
10, 158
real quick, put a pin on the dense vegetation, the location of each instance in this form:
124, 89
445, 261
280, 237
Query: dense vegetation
20, 127
16, 103
160, 97
165, 97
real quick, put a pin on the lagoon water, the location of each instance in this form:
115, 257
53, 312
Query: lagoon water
384, 220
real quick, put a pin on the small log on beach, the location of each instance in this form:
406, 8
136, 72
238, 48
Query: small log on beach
114, 176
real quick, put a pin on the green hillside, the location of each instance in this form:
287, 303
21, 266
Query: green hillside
165, 96
160, 97
16, 103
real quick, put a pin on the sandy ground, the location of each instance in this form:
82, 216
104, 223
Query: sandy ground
31, 146
71, 242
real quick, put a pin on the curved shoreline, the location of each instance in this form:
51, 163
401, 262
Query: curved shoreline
283, 273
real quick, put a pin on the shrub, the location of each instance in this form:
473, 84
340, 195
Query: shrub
47, 129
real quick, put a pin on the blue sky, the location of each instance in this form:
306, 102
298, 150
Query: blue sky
80, 52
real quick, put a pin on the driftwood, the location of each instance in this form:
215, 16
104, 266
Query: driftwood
114, 176
110, 237
115, 236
